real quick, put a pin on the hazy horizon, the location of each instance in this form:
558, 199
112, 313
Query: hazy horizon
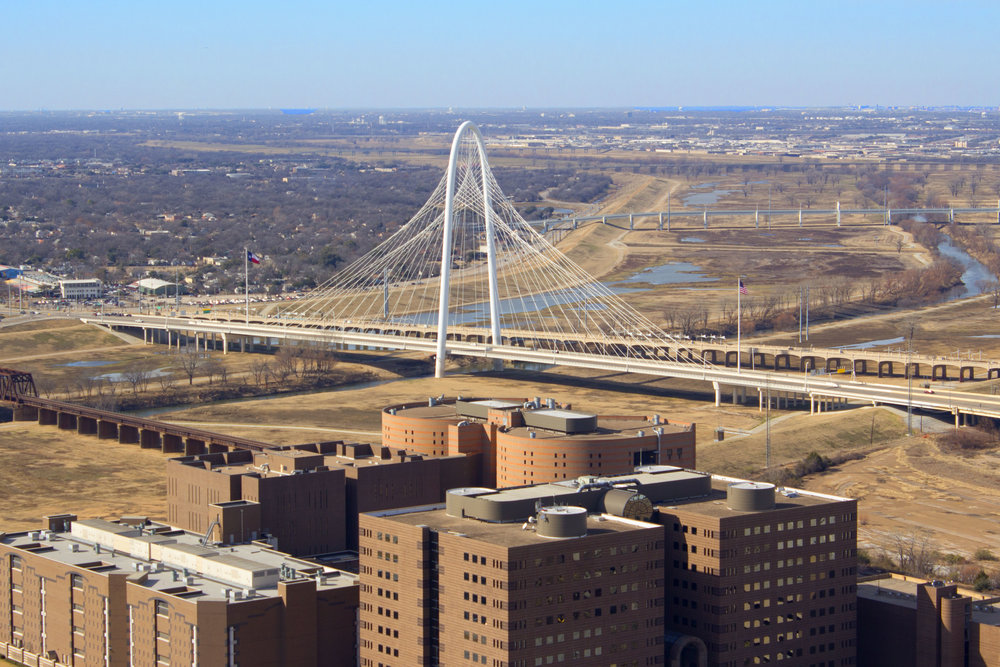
557, 55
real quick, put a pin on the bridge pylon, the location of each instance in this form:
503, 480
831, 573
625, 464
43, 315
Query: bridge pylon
468, 268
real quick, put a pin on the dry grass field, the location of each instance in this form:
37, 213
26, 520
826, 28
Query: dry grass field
48, 471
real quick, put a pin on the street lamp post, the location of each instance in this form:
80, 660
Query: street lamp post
909, 393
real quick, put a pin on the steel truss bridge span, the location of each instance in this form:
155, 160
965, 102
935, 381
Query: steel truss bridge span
629, 356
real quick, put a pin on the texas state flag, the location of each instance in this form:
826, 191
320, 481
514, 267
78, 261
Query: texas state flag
254, 259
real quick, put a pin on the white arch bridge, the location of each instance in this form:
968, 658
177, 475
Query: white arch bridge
468, 276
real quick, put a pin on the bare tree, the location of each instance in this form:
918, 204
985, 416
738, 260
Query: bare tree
284, 366
87, 385
44, 386
211, 368
914, 553
286, 361
138, 376
166, 381
189, 362
259, 370
991, 287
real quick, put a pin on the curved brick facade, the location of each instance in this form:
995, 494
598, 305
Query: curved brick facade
521, 459
514, 455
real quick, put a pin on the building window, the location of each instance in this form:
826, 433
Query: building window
161, 608
76, 581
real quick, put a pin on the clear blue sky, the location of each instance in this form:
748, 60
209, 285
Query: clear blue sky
182, 54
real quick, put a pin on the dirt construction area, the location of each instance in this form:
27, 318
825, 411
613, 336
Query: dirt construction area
914, 488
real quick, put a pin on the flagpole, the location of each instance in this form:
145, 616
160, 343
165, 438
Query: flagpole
739, 318
246, 282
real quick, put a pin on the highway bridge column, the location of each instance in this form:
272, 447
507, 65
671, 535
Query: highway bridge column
951, 215
756, 219
631, 222
705, 218
659, 226
718, 393
225, 344
838, 214
800, 217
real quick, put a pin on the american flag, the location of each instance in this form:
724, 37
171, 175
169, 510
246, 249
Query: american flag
743, 289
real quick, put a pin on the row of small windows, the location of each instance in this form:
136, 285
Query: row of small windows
599, 553
380, 536
588, 613
388, 613
388, 632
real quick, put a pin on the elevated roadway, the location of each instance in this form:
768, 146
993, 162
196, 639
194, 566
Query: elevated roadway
818, 391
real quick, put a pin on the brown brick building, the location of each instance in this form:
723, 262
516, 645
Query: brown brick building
906, 621
442, 589
661, 566
531, 441
94, 592
307, 497
761, 576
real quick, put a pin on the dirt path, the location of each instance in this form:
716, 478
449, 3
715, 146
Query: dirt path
64, 353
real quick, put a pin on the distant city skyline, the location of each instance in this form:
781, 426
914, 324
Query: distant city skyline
560, 54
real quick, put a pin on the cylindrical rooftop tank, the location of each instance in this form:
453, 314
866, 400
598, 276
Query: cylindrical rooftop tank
628, 503
562, 522
750, 496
